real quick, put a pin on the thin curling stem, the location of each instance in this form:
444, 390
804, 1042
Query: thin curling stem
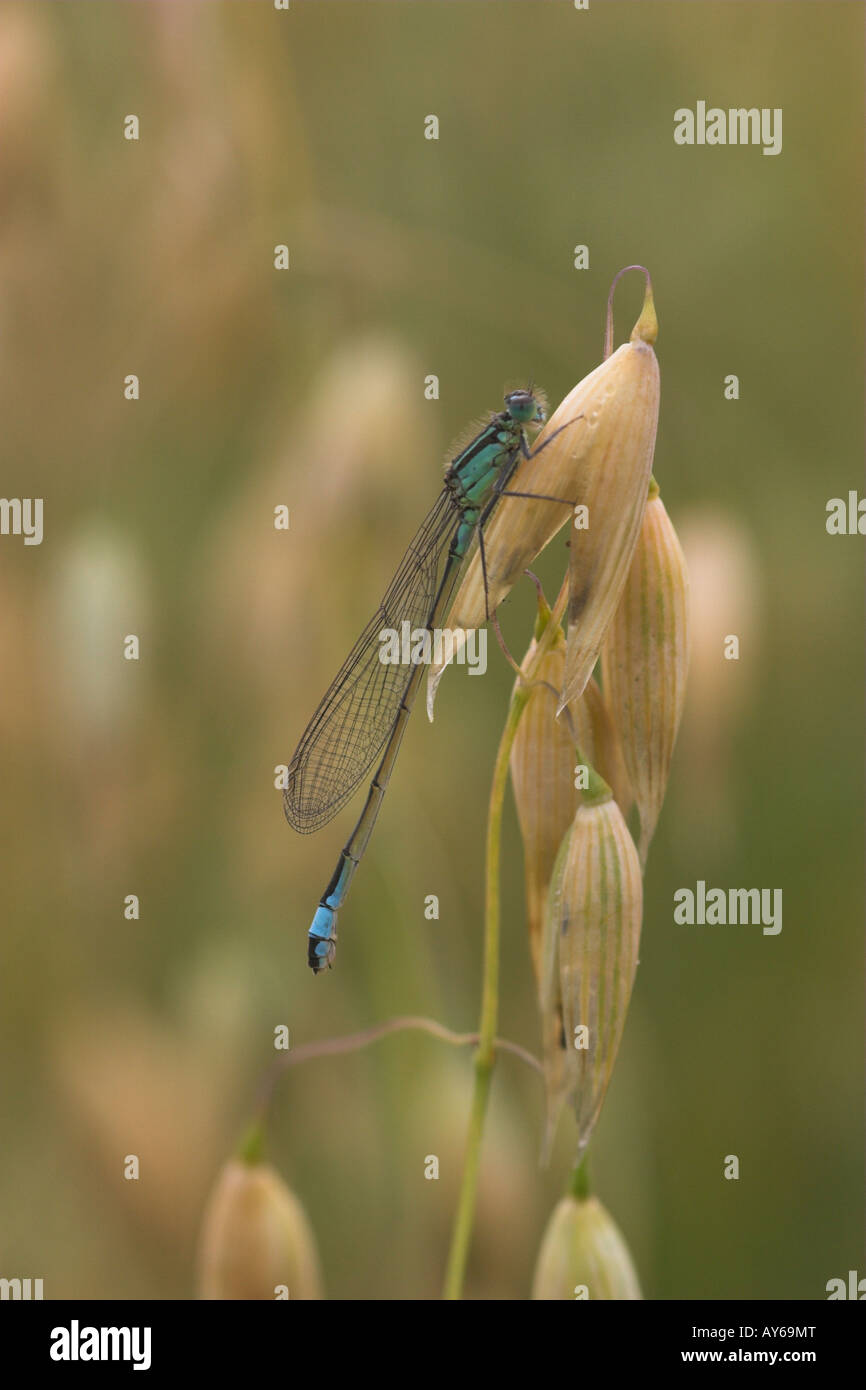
608, 331
530, 574
354, 1042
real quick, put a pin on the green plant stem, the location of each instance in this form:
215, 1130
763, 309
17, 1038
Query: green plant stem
484, 1057
486, 1054
578, 1184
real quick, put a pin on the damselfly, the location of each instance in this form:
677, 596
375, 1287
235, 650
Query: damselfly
366, 708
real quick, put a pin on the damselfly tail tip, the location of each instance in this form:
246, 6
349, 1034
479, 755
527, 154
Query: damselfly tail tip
321, 962
322, 940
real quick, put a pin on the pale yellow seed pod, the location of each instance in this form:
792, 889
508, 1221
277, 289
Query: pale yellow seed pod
595, 451
543, 768
542, 775
583, 1255
614, 491
256, 1240
591, 942
645, 661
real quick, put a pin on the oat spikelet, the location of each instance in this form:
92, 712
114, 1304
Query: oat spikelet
583, 1255
542, 775
613, 487
543, 767
591, 941
645, 662
256, 1238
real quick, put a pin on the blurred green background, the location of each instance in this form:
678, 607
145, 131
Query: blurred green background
411, 257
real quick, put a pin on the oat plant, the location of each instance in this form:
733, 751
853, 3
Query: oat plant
589, 764
579, 756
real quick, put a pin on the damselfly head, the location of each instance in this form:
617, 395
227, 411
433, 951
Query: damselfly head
527, 406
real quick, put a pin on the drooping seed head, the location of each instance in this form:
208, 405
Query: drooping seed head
614, 495
590, 955
256, 1238
542, 775
645, 661
583, 1255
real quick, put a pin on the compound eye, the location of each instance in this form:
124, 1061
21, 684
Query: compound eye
521, 406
